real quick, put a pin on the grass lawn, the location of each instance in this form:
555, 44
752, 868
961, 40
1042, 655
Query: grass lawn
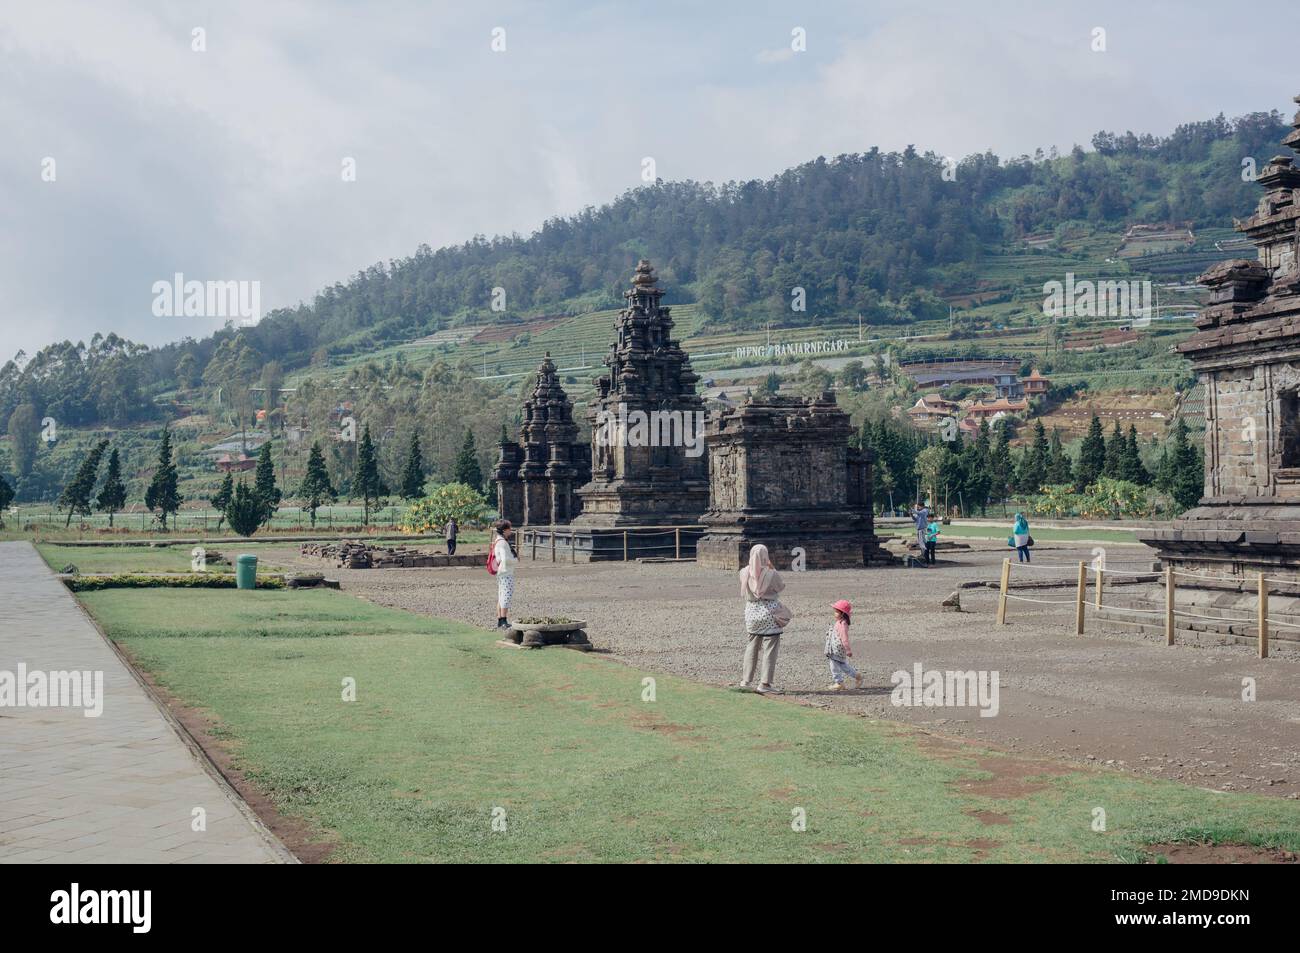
446, 727
94, 559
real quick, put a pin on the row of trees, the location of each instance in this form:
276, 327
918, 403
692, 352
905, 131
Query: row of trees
972, 474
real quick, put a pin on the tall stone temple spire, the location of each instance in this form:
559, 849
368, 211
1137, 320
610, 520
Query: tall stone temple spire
654, 475
536, 477
1246, 352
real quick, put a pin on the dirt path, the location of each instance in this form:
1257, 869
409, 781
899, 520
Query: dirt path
1115, 699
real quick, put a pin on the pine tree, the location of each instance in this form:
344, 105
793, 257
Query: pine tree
1092, 456
316, 487
162, 494
467, 470
1113, 466
1033, 471
1060, 470
413, 475
76, 496
264, 484
244, 510
1131, 468
368, 484
1000, 463
221, 500
112, 495
6, 497
1188, 470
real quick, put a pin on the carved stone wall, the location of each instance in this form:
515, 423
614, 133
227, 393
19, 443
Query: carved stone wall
781, 473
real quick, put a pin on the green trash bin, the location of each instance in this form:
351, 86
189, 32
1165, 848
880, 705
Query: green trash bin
246, 572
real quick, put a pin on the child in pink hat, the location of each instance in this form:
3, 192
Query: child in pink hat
838, 649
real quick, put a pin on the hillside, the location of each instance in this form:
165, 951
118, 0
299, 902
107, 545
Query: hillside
891, 254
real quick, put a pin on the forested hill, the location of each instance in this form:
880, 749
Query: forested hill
877, 233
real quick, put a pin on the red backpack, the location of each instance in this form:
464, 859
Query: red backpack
492, 559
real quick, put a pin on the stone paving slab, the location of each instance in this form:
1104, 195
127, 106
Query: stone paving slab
118, 788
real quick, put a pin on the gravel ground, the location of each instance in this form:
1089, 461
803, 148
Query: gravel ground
1114, 698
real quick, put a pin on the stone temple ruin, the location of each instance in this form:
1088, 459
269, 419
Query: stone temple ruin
1246, 352
776, 470
781, 473
537, 476
643, 472
655, 479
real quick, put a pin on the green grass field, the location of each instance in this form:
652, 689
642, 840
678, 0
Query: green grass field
447, 728
97, 559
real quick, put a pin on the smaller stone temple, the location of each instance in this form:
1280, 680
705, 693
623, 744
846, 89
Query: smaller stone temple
536, 477
781, 473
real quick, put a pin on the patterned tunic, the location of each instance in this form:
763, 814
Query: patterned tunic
759, 617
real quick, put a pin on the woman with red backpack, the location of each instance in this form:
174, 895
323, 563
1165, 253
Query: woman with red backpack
501, 563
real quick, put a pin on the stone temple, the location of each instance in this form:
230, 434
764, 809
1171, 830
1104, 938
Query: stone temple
537, 476
1246, 352
651, 477
781, 473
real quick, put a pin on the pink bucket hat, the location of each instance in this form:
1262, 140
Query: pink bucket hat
844, 606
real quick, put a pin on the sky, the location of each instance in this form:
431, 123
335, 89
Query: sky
293, 144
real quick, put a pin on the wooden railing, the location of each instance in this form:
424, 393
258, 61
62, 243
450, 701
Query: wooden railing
1169, 614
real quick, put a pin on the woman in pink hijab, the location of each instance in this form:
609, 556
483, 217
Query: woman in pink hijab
765, 618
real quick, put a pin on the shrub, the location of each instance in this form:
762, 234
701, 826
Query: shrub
141, 581
451, 499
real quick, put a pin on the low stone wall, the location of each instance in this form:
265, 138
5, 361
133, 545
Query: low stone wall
350, 554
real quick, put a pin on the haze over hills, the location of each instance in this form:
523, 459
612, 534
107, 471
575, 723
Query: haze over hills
891, 237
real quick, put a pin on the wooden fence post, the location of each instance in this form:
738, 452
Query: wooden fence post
1169, 605
1100, 574
552, 542
1002, 595
624, 545
1263, 617
677, 542
1078, 598
573, 547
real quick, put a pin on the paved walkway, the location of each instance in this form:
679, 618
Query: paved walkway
119, 788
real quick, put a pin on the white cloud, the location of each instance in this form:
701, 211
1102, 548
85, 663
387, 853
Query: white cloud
225, 164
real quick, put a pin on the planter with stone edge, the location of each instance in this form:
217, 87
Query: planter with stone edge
538, 633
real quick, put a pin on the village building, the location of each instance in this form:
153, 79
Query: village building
1001, 375
782, 473
537, 475
991, 410
235, 463
930, 409
1035, 385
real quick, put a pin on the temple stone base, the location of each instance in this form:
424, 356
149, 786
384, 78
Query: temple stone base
827, 541
1232, 537
586, 544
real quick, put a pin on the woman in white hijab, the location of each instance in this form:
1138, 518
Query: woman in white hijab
765, 618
